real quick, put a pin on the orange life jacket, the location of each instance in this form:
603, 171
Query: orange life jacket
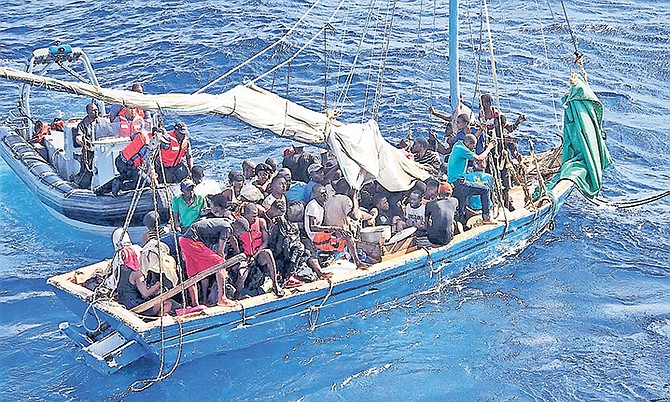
128, 128
138, 112
132, 151
176, 151
252, 240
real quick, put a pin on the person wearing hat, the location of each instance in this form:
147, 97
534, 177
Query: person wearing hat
132, 289
440, 214
316, 176
187, 207
176, 157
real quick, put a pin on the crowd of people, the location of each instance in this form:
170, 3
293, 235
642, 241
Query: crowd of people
290, 220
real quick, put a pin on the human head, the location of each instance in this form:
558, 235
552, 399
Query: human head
151, 220
487, 100
240, 226
92, 111
315, 172
414, 199
236, 180
137, 87
250, 212
120, 239
286, 174
219, 205
272, 162
479, 165
381, 202
405, 144
180, 129
187, 187
278, 185
470, 141
319, 193
263, 172
278, 208
419, 187
198, 174
445, 190
420, 146
248, 168
462, 121
431, 189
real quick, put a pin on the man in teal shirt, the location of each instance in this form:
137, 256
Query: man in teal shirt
187, 207
457, 166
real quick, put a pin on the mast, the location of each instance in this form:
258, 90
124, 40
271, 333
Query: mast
454, 85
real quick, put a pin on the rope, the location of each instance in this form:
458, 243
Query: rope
300, 50
546, 58
313, 316
429, 258
257, 55
380, 75
368, 80
628, 204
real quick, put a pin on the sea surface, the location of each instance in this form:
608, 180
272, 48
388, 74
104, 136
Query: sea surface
581, 314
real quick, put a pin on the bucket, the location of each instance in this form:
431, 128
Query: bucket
373, 234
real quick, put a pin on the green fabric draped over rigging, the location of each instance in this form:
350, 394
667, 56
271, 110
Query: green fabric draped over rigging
585, 155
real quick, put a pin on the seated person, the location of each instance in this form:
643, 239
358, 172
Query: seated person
83, 135
154, 229
203, 246
440, 216
132, 289
130, 160
263, 174
415, 213
458, 162
117, 110
248, 169
479, 176
251, 238
277, 189
427, 158
175, 159
316, 175
295, 263
386, 215
324, 237
297, 161
234, 189
187, 207
219, 208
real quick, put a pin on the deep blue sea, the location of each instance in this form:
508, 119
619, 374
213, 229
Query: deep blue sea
582, 314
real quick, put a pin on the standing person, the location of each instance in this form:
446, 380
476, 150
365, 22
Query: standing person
458, 162
176, 158
440, 216
489, 115
462, 109
187, 207
83, 136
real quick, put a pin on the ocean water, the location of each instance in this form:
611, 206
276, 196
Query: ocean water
581, 314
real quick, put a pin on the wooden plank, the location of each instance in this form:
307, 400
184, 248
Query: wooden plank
189, 282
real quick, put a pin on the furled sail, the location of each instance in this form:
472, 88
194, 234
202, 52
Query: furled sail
360, 148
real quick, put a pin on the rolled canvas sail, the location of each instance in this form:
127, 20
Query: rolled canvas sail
360, 149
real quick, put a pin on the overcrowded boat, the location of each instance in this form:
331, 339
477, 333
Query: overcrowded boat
365, 258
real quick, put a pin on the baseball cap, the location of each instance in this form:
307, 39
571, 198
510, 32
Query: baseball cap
187, 183
313, 168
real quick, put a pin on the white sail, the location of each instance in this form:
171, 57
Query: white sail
360, 148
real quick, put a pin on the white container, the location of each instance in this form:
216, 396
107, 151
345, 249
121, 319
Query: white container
374, 234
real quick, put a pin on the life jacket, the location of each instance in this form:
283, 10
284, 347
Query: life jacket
138, 112
128, 128
252, 240
133, 151
175, 152
40, 130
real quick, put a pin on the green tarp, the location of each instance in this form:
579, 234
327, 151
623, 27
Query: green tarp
585, 155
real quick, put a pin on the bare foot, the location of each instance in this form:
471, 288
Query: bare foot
227, 303
326, 275
489, 222
362, 266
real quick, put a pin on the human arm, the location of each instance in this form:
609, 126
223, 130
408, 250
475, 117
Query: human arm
139, 281
485, 153
438, 114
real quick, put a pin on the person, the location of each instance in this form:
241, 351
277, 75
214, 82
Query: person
327, 238
430, 193
415, 212
489, 114
297, 161
479, 176
458, 162
440, 216
296, 189
176, 158
248, 169
316, 176
234, 189
252, 238
263, 174
187, 207
427, 158
83, 136
462, 109
131, 158
118, 110
219, 208
295, 262
155, 231
386, 214
510, 153
203, 246
132, 288
278, 187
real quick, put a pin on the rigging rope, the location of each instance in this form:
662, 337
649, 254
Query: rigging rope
546, 58
380, 74
301, 49
257, 55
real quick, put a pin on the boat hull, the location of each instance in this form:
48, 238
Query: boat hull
189, 337
79, 208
